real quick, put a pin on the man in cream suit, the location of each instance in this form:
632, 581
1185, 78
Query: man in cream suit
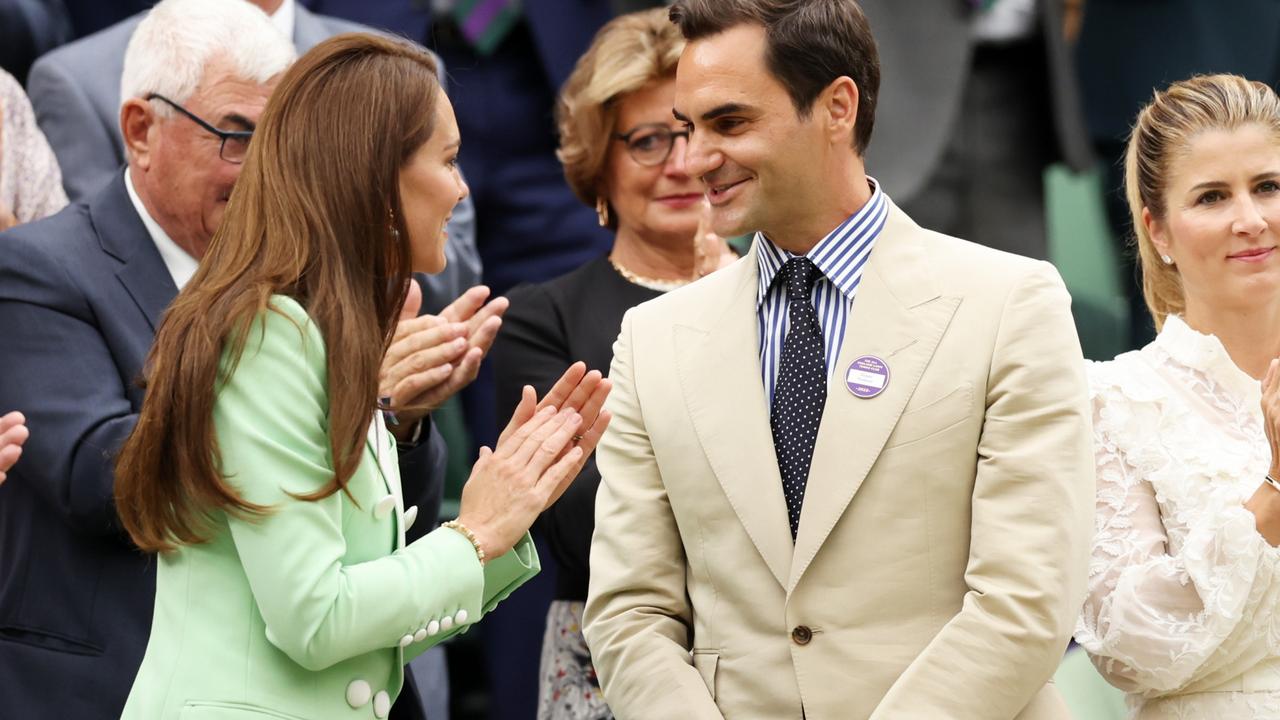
900, 533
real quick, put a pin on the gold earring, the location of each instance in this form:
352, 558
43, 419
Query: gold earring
602, 211
391, 224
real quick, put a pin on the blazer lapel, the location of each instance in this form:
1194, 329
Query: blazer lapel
898, 317
717, 360
382, 449
123, 236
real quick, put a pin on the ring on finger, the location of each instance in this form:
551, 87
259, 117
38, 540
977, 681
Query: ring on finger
577, 438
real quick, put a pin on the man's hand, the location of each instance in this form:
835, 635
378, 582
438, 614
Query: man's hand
434, 356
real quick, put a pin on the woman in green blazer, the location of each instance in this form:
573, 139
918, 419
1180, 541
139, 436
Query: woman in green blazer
261, 469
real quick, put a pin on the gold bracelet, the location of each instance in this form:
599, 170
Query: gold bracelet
466, 533
1273, 482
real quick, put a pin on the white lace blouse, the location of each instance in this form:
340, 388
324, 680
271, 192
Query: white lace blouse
1183, 591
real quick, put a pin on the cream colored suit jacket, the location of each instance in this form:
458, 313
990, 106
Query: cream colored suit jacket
941, 557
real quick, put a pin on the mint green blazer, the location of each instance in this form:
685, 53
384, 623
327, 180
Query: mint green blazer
313, 610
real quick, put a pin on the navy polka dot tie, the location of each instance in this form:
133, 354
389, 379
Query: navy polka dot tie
801, 390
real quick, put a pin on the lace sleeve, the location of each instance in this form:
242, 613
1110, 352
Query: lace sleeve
1155, 620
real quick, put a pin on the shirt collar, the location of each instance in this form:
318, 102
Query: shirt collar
839, 256
1205, 353
283, 17
179, 262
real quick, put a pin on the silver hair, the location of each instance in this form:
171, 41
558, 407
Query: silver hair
176, 41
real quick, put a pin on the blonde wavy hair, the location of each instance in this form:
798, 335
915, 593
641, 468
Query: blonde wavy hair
628, 53
1165, 128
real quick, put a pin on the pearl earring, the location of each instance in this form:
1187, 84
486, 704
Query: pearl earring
1167, 260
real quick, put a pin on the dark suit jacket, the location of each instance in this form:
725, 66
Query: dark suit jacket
28, 29
1130, 48
81, 294
925, 51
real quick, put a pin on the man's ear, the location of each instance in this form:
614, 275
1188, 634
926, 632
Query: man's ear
137, 119
840, 101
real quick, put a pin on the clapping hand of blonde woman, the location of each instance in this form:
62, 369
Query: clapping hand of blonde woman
432, 357
13, 432
711, 252
538, 454
1265, 502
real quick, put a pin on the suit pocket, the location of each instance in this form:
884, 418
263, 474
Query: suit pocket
215, 710
48, 640
933, 417
705, 662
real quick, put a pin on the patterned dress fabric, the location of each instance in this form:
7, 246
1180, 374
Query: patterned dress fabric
30, 181
569, 689
802, 386
1183, 592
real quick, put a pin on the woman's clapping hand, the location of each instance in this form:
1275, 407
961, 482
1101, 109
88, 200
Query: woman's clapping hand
539, 453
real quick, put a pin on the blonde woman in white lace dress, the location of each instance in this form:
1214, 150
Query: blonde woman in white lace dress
30, 181
1183, 611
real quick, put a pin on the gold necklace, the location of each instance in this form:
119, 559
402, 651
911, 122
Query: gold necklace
647, 282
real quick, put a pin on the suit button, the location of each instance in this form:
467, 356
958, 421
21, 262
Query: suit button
381, 704
801, 635
358, 693
384, 506
409, 516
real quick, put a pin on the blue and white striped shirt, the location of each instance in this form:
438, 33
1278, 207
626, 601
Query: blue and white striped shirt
841, 257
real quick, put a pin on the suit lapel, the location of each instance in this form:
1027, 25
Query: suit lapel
717, 360
308, 31
122, 235
899, 318
382, 449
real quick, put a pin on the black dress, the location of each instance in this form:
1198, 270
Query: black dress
548, 327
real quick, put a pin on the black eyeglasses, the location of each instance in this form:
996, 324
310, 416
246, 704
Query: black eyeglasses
235, 143
651, 144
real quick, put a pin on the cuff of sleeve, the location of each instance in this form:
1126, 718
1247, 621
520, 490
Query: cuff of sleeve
416, 437
504, 574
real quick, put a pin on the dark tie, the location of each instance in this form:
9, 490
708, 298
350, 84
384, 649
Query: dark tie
801, 390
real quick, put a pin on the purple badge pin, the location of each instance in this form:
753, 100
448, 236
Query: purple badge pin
867, 377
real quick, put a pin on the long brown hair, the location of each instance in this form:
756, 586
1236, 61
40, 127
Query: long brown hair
315, 215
